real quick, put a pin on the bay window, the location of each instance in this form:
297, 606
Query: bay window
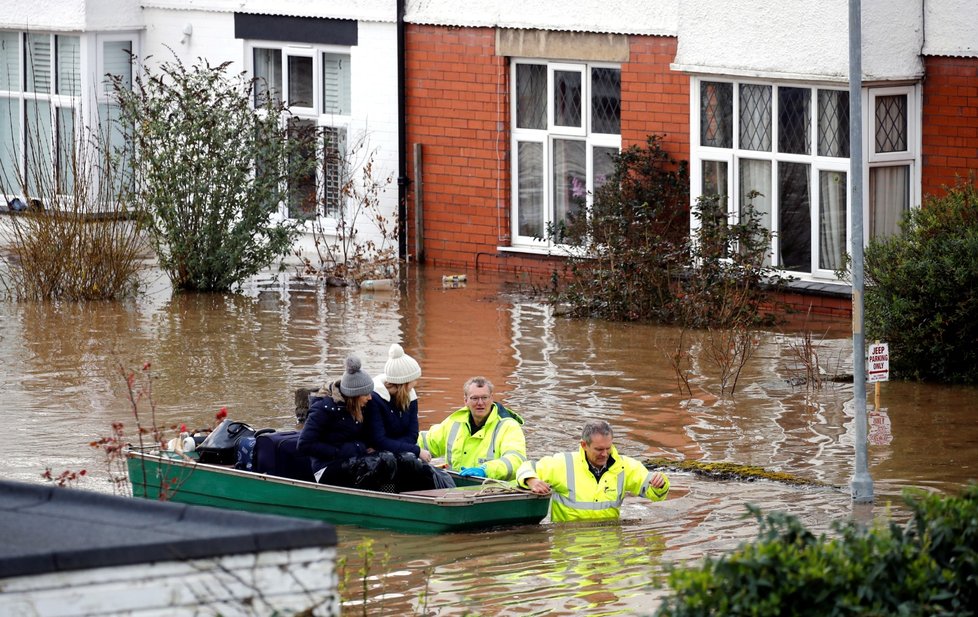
784, 148
566, 128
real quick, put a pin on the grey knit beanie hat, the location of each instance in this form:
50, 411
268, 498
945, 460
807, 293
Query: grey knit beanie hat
355, 382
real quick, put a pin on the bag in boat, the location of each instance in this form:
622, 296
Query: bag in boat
275, 454
244, 451
218, 447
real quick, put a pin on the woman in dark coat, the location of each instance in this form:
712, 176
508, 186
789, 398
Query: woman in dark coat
336, 437
392, 421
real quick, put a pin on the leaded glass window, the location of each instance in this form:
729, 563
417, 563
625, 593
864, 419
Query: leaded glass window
716, 113
755, 117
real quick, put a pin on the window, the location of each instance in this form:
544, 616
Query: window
566, 121
784, 149
315, 84
114, 59
40, 87
891, 159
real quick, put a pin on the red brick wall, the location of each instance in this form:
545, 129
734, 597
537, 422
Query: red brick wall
654, 99
458, 110
950, 122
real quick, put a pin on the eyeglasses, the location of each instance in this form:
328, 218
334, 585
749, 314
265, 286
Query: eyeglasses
478, 399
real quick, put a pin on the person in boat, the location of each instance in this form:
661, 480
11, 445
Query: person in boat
482, 439
590, 484
336, 438
392, 422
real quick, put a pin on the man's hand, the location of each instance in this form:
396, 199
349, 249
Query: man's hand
657, 480
538, 486
425, 456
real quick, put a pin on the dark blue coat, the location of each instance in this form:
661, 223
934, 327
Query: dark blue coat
391, 429
330, 434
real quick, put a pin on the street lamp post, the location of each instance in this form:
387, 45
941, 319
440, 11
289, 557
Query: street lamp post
862, 483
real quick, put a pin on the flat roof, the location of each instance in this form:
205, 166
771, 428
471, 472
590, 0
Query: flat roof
53, 529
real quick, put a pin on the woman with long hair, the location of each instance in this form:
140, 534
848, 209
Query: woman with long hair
335, 435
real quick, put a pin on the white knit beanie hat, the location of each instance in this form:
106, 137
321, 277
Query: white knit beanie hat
400, 368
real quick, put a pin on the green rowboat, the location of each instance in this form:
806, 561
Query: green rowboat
478, 506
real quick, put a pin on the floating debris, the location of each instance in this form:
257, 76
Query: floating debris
729, 471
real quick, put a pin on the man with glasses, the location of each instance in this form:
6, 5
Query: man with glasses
591, 484
482, 439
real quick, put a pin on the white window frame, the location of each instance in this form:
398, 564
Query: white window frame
909, 157
547, 138
315, 113
817, 163
55, 102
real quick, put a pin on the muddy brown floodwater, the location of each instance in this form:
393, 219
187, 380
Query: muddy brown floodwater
60, 389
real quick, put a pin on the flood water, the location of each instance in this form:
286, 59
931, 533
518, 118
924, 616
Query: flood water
61, 388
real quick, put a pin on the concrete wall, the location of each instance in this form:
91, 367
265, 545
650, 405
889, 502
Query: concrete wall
950, 28
804, 39
617, 16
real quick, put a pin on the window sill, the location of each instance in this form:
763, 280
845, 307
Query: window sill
544, 251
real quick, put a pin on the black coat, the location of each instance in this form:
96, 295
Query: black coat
330, 434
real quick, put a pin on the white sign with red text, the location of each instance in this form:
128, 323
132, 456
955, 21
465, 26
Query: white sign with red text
878, 363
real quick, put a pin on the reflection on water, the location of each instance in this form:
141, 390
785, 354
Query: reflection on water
61, 389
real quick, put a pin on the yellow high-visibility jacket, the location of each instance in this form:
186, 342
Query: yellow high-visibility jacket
577, 496
499, 444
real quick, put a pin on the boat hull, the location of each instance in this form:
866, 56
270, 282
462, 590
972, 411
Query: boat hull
437, 511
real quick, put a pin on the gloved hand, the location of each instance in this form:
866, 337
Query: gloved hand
473, 472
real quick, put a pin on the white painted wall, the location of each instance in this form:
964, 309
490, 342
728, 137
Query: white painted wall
70, 15
614, 16
368, 10
212, 37
951, 28
801, 39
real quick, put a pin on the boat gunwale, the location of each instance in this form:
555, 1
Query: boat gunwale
489, 492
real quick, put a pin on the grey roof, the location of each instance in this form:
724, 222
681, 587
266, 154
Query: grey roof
50, 529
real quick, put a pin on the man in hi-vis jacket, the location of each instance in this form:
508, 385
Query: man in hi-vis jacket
590, 484
482, 439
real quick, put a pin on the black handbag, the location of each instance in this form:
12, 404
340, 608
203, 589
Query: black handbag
219, 447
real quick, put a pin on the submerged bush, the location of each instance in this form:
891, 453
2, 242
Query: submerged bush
634, 257
210, 171
927, 567
922, 289
75, 237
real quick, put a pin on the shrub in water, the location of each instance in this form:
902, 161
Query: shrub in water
922, 289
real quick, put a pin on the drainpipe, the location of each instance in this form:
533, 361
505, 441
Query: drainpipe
402, 178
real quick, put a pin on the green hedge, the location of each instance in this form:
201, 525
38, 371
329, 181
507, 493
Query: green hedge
922, 290
927, 567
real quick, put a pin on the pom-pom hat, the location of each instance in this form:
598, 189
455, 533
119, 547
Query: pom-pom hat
355, 381
400, 367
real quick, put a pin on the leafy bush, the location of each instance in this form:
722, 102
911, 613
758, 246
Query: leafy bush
922, 289
626, 253
634, 258
927, 567
210, 172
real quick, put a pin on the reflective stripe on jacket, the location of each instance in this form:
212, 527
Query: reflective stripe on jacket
499, 444
578, 496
